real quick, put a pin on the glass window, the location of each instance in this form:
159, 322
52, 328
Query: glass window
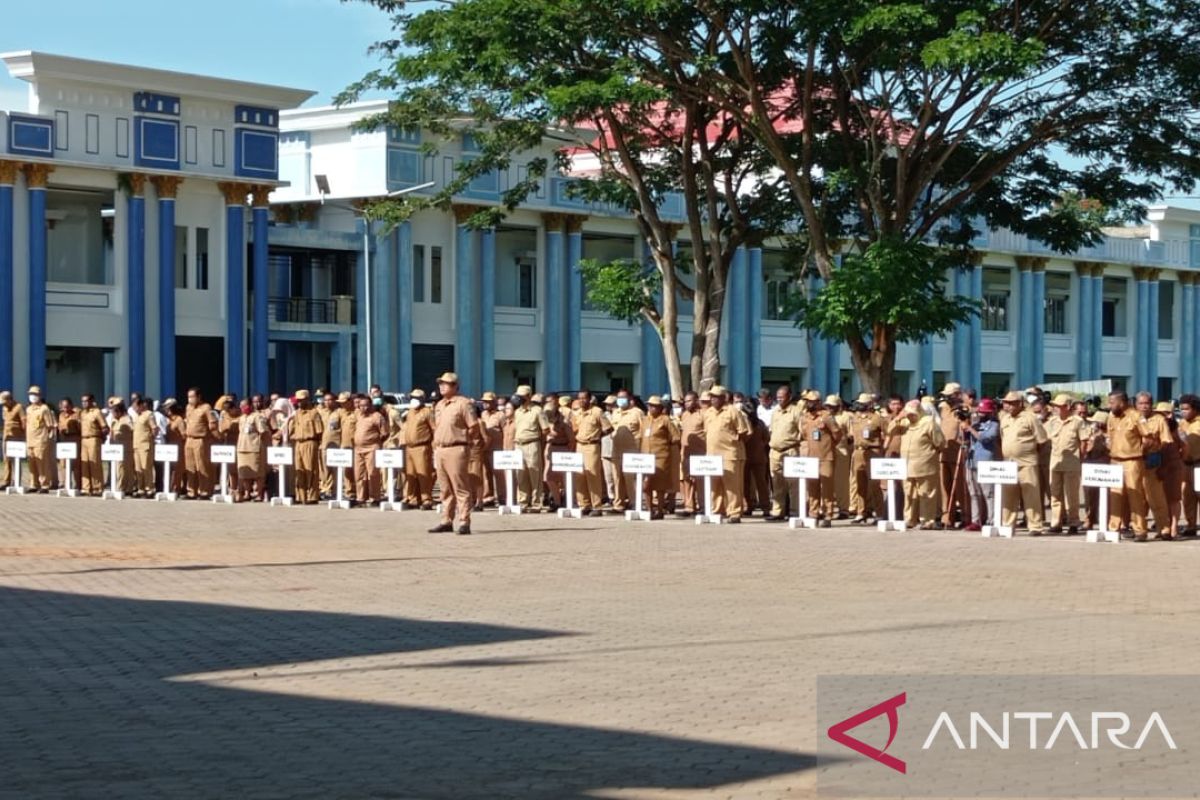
435, 275
202, 259
1166, 311
181, 257
778, 296
1112, 311
418, 273
526, 284
995, 311
1058, 290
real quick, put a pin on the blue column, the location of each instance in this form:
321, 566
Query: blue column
404, 306
1024, 326
925, 365
755, 292
166, 293
962, 332
487, 310
383, 295
574, 305
260, 381
653, 360
135, 288
37, 275
235, 291
8, 176
366, 252
1152, 334
466, 322
1195, 384
1187, 348
975, 373
738, 350
1098, 322
1037, 318
1141, 338
1085, 305
555, 338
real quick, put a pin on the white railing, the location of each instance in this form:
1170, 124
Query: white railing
1167, 253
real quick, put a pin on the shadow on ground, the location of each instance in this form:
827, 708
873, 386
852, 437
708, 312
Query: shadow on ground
87, 709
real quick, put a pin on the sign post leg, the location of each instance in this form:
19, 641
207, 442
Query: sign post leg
997, 528
511, 506
891, 524
1103, 534
708, 515
801, 519
391, 504
340, 501
282, 499
638, 513
17, 487
224, 496
570, 512
166, 495
70, 491
112, 493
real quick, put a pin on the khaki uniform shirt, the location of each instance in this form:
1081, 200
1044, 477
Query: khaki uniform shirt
92, 424
68, 426
331, 418
454, 421
418, 427
691, 431
201, 422
819, 435
1066, 443
627, 430
1130, 437
1021, 435
785, 428
1190, 431
725, 432
40, 425
346, 435
370, 430
14, 422
659, 436
253, 432
865, 430
305, 426
493, 424
843, 444
144, 430
921, 444
530, 425
590, 426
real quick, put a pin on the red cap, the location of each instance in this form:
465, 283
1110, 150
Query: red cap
987, 406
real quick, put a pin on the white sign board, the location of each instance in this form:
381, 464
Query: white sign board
66, 450
889, 469
1002, 472
166, 452
279, 456
112, 452
223, 454
389, 459
805, 467
508, 459
14, 449
339, 457
1111, 476
702, 466
638, 463
566, 462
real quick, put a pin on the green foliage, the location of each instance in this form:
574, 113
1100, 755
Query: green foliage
623, 289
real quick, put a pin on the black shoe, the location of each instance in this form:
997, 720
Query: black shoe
445, 527
464, 530
734, 520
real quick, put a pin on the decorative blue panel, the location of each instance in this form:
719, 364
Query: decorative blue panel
152, 103
255, 153
255, 115
404, 135
156, 143
30, 136
404, 168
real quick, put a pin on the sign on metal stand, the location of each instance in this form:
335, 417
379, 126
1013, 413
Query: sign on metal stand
1104, 477
999, 474
891, 470
223, 454
114, 454
508, 461
707, 467
390, 461
15, 450
641, 465
280, 457
68, 452
340, 457
571, 464
166, 454
803, 469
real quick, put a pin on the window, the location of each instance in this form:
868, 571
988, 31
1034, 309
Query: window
418, 273
1166, 388
181, 257
778, 300
997, 288
995, 384
435, 275
526, 283
1166, 311
1058, 290
202, 259
1112, 311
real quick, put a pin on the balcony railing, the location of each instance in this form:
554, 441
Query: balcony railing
307, 310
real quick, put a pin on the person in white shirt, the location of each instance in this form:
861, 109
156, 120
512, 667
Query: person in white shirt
765, 408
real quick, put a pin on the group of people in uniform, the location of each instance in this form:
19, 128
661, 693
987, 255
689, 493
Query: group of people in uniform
448, 441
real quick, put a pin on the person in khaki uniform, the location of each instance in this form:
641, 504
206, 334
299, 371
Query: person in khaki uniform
1130, 440
843, 455
14, 429
659, 438
1189, 433
331, 417
561, 439
920, 439
493, 424
953, 463
418, 453
1021, 439
346, 438
1067, 434
1171, 472
784, 441
1158, 437
93, 430
691, 443
370, 432
144, 431
627, 423
864, 431
454, 430
304, 432
530, 428
725, 432
120, 431
40, 430
201, 423
590, 426
819, 435
68, 431
254, 431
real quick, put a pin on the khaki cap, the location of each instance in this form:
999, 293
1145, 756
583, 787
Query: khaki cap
487, 396
448, 377
524, 391
1164, 407
951, 388
170, 402
610, 400
114, 401
912, 407
302, 394
343, 397
1100, 418
864, 398
1014, 397
654, 400
537, 399
564, 402
833, 400
811, 394
716, 390
928, 399
1062, 400
706, 394
417, 393
35, 390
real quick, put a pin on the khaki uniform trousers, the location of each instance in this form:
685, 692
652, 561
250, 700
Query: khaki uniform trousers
1027, 492
90, 466
783, 490
1064, 498
727, 490
1130, 499
366, 475
454, 479
326, 475
307, 474
842, 465
1156, 499
622, 484
42, 473
689, 487
866, 498
143, 468
920, 500
197, 474
529, 479
555, 481
589, 485
418, 475
822, 492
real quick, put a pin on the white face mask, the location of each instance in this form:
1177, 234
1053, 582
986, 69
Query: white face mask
676, 411
414, 403
33, 398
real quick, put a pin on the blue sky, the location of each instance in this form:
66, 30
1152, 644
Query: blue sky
306, 44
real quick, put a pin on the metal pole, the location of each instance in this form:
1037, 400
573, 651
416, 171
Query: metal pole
367, 295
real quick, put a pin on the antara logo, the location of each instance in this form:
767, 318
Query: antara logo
839, 735
1113, 724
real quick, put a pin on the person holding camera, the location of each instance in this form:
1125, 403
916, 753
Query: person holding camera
954, 421
983, 432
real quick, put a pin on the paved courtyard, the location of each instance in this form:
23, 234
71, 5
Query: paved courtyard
202, 651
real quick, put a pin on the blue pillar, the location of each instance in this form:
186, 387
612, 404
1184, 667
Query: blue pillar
166, 287
1152, 334
975, 373
925, 365
487, 310
1187, 349
1195, 384
574, 305
260, 381
1037, 318
1024, 325
962, 332
738, 350
756, 290
383, 295
8, 177
359, 378
1098, 321
235, 290
37, 274
653, 360
466, 322
1085, 305
404, 306
556, 308
1141, 338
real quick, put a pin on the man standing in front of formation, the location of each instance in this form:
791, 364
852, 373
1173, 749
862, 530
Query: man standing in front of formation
725, 431
40, 430
454, 428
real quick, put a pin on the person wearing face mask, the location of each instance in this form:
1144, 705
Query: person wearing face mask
530, 430
726, 430
68, 431
691, 433
144, 431
921, 443
627, 423
304, 431
40, 431
120, 431
819, 435
93, 430
14, 430
418, 453
331, 417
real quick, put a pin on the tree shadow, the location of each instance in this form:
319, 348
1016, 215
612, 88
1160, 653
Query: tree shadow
88, 708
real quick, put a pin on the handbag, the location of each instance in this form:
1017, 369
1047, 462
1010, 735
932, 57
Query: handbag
1154, 460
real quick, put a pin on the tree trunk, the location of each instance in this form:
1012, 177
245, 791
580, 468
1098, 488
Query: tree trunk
876, 365
668, 331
